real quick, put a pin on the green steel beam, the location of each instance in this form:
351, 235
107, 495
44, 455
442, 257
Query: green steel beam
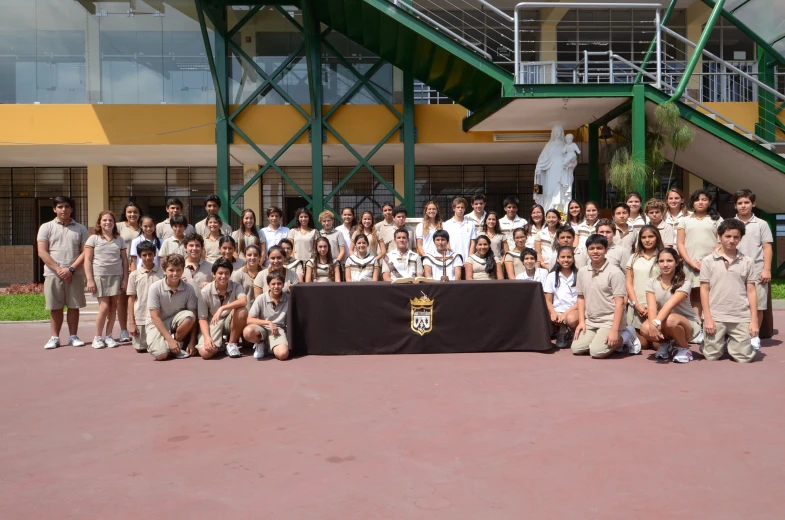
408, 142
244, 20
574, 90
289, 17
312, 35
697, 52
222, 125
749, 32
354, 88
613, 114
594, 162
639, 131
208, 50
484, 112
766, 127
653, 44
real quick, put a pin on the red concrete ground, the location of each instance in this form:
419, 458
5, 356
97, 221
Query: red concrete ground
112, 434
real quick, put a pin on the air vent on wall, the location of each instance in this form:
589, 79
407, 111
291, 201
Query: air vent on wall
521, 137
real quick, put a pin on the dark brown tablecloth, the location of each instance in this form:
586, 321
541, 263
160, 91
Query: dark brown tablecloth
376, 318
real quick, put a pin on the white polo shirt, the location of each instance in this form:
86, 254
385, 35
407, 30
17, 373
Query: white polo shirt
439, 264
478, 222
539, 275
461, 235
565, 295
274, 236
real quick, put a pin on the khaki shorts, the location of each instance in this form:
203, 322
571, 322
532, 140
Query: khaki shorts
156, 344
739, 346
108, 285
272, 341
762, 291
140, 342
592, 341
696, 329
59, 293
217, 332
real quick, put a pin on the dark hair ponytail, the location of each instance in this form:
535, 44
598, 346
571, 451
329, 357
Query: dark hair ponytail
557, 268
678, 271
490, 260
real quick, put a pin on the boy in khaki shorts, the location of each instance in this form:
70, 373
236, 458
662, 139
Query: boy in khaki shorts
601, 289
61, 249
139, 283
171, 313
728, 297
267, 319
221, 312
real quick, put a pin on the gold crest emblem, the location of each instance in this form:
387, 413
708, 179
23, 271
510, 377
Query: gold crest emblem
422, 315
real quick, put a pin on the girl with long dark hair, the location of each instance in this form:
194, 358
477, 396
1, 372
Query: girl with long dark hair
482, 265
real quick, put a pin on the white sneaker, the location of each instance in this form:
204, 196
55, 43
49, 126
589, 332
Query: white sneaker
110, 342
664, 352
631, 340
233, 350
683, 355
53, 342
98, 342
183, 354
74, 341
755, 342
258, 350
124, 337
697, 340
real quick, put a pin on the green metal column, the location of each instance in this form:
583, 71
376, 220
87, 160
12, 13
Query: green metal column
594, 162
222, 123
408, 142
767, 119
314, 58
639, 132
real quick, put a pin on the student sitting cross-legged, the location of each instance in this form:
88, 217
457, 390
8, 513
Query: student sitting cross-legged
139, 283
222, 312
171, 313
445, 264
267, 319
601, 291
728, 297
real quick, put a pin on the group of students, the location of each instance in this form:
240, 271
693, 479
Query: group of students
656, 275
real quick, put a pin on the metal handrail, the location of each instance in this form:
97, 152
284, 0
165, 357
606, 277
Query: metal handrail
586, 5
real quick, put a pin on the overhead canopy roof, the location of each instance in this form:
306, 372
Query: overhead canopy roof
761, 20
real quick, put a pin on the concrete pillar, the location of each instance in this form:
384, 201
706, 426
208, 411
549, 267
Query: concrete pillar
398, 182
97, 190
252, 198
548, 37
93, 60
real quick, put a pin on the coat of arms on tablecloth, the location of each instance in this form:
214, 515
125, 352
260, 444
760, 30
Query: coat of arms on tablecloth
422, 315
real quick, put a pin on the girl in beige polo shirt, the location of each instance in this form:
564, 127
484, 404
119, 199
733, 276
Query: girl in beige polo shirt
362, 266
482, 265
640, 268
246, 274
365, 226
289, 262
212, 246
303, 235
106, 267
322, 267
492, 230
513, 263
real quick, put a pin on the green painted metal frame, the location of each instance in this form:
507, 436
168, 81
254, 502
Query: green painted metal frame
312, 32
653, 45
766, 127
749, 32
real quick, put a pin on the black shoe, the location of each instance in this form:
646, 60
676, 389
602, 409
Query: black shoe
563, 340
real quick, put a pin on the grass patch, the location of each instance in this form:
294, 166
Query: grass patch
23, 307
778, 289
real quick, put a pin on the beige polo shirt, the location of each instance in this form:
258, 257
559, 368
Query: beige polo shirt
128, 233
626, 240
668, 234
139, 283
169, 302
265, 309
662, 295
756, 234
65, 243
163, 230
201, 228
210, 300
106, 255
387, 236
728, 286
261, 280
171, 246
617, 255
336, 240
211, 250
242, 277
196, 276
599, 289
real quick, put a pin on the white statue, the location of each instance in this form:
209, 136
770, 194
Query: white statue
549, 172
571, 152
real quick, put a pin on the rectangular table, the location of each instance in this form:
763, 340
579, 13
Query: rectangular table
380, 318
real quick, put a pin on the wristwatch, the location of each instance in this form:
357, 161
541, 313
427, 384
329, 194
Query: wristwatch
632, 303
657, 323
72, 270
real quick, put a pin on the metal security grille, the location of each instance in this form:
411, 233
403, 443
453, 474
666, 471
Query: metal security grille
26, 200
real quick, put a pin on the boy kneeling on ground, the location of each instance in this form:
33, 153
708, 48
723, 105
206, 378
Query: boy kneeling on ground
267, 319
171, 319
222, 312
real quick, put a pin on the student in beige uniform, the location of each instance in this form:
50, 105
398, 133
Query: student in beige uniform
478, 214
655, 210
212, 246
387, 234
276, 258
366, 228
347, 227
212, 205
246, 275
696, 238
198, 272
588, 227
482, 265
175, 244
303, 235
511, 221
543, 242
670, 316
322, 267
387, 219
337, 244
248, 234
228, 249
616, 254
401, 262
293, 264
492, 230
637, 218
106, 267
423, 233
130, 229
172, 303
267, 320
640, 268
677, 207
445, 264
625, 233
533, 227
362, 266
139, 283
756, 244
565, 236
222, 312
174, 206
61, 249
728, 297
513, 261
601, 292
